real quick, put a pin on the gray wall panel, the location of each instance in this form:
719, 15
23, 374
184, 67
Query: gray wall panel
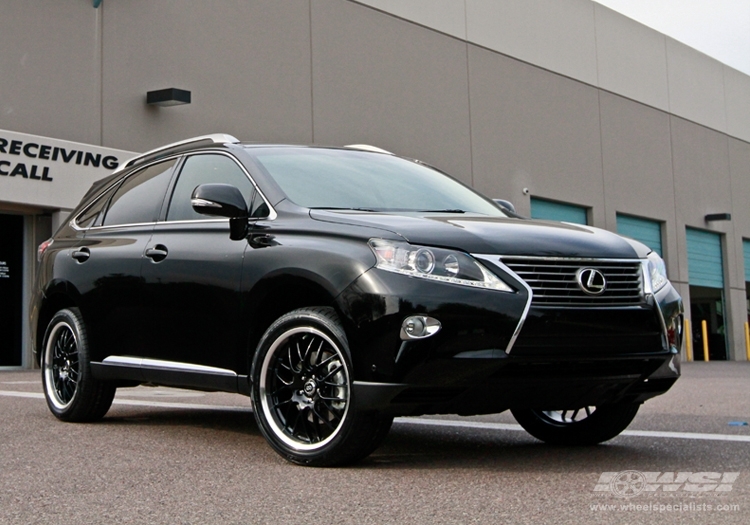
558, 35
637, 159
532, 129
380, 80
737, 92
696, 86
50, 69
447, 16
631, 58
702, 182
739, 168
247, 65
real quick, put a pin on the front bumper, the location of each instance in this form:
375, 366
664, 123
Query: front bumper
562, 358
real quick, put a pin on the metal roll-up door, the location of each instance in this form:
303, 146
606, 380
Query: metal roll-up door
746, 251
558, 211
705, 263
646, 231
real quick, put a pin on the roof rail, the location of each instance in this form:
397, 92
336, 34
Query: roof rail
176, 147
367, 147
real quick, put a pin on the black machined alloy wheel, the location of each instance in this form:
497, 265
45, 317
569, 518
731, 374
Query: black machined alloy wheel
583, 426
62, 370
71, 392
302, 392
305, 388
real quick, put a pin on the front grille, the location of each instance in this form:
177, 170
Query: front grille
554, 281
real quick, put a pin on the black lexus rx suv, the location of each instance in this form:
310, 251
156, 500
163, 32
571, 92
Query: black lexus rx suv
340, 287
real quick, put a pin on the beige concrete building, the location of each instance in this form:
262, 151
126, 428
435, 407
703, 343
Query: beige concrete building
564, 107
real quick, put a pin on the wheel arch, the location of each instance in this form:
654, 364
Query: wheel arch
280, 293
57, 297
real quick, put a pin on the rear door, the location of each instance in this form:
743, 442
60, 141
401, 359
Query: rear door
106, 265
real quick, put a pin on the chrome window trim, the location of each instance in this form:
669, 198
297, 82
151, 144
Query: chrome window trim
158, 364
497, 261
271, 216
113, 226
193, 221
117, 181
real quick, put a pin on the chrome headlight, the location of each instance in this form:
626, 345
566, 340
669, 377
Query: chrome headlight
656, 272
437, 264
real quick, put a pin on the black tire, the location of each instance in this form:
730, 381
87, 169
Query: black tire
585, 426
71, 392
303, 396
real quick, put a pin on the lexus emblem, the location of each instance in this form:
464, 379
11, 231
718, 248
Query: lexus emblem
591, 281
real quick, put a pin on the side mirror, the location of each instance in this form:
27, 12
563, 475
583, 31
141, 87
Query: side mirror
505, 204
223, 200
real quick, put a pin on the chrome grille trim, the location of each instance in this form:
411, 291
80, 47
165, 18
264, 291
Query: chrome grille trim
553, 280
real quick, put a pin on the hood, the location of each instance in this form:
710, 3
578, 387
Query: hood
480, 234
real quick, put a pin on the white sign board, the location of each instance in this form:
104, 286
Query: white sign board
51, 173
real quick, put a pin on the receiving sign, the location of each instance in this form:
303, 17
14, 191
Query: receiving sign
42, 171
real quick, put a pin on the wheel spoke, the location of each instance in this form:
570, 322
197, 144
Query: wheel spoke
327, 360
277, 404
285, 382
323, 419
332, 372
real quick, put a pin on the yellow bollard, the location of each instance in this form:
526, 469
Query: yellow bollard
689, 341
704, 330
747, 340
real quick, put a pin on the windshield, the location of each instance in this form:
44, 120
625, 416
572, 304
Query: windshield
342, 179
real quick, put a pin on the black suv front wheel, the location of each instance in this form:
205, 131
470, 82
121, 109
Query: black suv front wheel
302, 392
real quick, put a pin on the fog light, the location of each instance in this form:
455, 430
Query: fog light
419, 327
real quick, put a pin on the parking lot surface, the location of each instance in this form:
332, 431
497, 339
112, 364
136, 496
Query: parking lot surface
169, 456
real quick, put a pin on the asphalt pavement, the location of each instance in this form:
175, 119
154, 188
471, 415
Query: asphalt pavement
170, 456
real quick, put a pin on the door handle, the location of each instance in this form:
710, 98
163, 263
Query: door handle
81, 255
157, 253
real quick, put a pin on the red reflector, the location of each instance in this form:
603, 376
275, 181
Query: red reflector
43, 248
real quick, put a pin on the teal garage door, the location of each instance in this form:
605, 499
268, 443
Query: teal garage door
746, 250
643, 230
705, 264
558, 211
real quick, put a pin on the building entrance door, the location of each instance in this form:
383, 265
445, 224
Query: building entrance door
707, 304
11, 289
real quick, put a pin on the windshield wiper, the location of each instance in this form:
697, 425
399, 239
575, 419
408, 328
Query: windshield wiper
342, 208
442, 211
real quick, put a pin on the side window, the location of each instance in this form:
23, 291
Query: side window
140, 196
204, 169
91, 216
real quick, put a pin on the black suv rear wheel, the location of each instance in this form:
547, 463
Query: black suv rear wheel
71, 392
302, 392
583, 426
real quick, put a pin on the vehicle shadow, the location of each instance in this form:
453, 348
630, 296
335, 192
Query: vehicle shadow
419, 447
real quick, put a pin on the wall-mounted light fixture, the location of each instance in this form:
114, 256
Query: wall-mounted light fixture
168, 97
718, 217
